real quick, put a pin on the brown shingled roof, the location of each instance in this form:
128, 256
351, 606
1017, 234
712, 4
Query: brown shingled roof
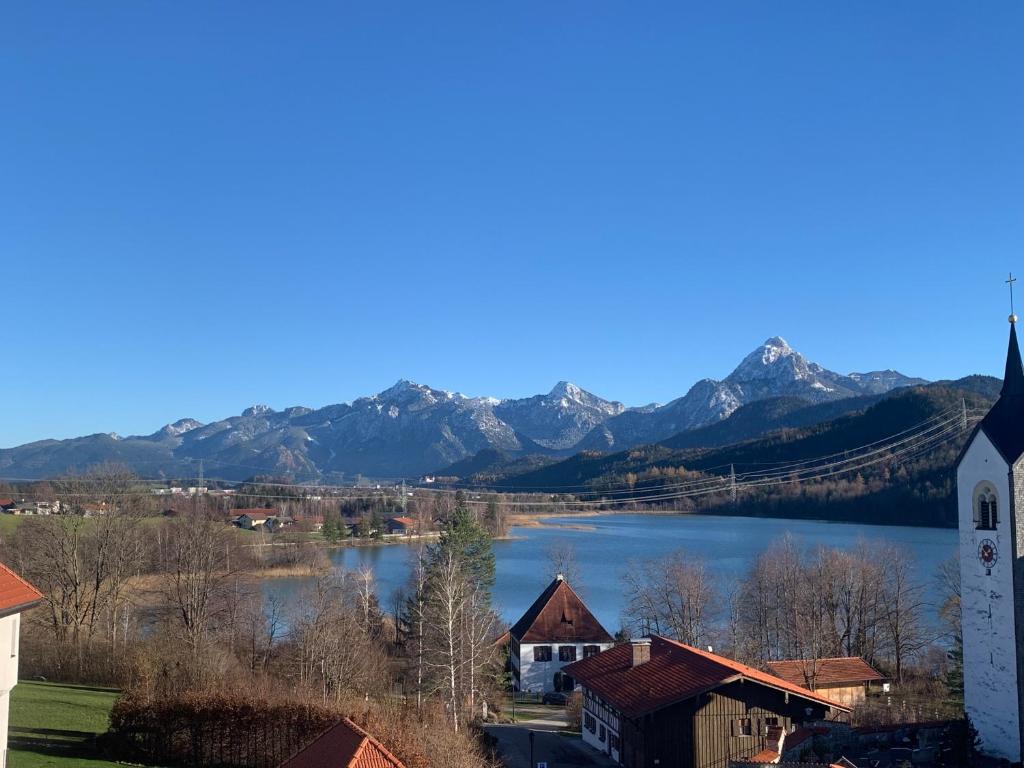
675, 672
559, 615
16, 594
812, 673
344, 745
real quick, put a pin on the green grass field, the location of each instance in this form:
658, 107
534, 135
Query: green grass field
9, 523
53, 725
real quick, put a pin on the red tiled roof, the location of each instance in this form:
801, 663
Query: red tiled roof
406, 521
16, 594
6, 502
344, 745
764, 756
254, 512
674, 673
559, 615
815, 673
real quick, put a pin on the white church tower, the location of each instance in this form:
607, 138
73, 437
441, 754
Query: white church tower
990, 495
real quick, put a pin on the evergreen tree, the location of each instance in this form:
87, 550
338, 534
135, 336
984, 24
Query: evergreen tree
332, 529
376, 522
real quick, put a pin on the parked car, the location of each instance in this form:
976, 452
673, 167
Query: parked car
557, 698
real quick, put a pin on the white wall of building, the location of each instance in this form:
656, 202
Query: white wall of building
9, 630
603, 717
990, 645
539, 676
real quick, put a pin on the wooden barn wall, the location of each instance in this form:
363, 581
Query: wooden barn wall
701, 732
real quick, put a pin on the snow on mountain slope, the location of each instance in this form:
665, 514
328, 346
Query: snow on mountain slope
411, 429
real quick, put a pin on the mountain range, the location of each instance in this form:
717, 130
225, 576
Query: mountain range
411, 429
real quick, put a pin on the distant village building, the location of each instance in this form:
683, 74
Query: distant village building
345, 745
990, 485
656, 702
406, 525
844, 679
279, 523
16, 596
557, 630
30, 507
252, 519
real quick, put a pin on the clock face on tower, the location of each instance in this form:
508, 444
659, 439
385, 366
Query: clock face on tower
987, 553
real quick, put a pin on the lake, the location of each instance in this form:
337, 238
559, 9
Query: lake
728, 545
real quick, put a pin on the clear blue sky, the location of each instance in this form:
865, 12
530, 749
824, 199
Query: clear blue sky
208, 205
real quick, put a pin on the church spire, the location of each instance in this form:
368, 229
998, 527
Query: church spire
1004, 423
1013, 378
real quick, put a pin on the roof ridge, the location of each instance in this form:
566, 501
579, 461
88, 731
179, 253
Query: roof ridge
756, 674
529, 620
369, 739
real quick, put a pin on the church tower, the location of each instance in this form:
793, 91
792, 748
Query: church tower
990, 496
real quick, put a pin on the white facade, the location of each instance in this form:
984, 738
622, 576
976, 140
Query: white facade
9, 629
600, 725
987, 596
536, 676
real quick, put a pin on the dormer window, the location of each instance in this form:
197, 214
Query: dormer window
986, 509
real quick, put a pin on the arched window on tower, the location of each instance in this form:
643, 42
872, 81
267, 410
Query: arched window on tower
986, 509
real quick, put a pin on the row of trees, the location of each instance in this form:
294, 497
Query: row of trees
163, 607
793, 603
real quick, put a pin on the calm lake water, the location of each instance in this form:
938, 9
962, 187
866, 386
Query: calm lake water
728, 545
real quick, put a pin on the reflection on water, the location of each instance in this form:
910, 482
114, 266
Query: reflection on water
728, 545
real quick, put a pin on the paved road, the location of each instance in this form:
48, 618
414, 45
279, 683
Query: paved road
549, 746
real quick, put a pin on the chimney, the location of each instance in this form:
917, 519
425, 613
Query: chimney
641, 647
559, 577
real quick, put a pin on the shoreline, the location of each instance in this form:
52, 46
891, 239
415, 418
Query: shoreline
536, 519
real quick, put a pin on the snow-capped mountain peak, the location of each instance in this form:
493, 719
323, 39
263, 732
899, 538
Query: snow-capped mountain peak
565, 389
257, 410
411, 428
180, 427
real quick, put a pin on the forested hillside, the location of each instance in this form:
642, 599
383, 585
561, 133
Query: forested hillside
909, 483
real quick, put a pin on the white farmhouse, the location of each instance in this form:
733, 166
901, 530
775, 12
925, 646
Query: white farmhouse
557, 630
16, 595
990, 497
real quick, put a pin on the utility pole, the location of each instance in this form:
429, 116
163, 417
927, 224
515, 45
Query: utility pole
963, 417
732, 483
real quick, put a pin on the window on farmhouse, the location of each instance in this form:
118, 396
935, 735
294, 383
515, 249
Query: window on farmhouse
542, 653
613, 741
742, 727
589, 722
567, 653
600, 733
591, 650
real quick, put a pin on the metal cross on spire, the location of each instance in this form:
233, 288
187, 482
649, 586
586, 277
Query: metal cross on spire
1010, 281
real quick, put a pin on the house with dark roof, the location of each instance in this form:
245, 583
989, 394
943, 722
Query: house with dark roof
16, 597
344, 745
658, 702
845, 679
555, 631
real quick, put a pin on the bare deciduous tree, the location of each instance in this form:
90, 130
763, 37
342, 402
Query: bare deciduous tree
673, 596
